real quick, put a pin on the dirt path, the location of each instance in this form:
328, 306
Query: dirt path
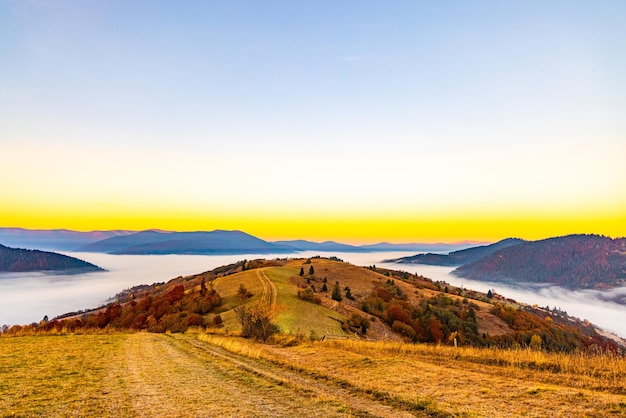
332, 392
270, 294
180, 376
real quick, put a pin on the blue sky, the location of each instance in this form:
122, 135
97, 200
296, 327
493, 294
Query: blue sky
403, 110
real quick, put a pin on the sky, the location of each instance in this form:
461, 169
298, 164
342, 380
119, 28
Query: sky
356, 121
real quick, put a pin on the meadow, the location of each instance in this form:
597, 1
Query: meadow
216, 374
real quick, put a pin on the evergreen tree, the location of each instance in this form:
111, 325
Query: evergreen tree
311, 270
490, 294
324, 288
336, 295
301, 271
471, 315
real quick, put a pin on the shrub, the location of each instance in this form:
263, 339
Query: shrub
307, 294
256, 322
243, 293
404, 329
195, 320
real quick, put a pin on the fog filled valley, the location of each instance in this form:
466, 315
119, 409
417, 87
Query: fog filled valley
28, 297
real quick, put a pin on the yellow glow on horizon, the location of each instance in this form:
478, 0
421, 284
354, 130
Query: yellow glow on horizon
357, 229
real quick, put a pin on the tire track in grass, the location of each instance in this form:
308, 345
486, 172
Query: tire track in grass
270, 294
357, 404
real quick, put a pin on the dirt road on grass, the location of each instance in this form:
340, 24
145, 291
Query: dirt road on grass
182, 376
270, 294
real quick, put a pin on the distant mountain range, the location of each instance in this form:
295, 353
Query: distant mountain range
20, 260
573, 262
215, 242
201, 242
54, 239
457, 258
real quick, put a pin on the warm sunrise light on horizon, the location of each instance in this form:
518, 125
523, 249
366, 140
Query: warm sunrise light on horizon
359, 123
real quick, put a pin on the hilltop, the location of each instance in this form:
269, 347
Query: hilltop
572, 262
318, 297
20, 260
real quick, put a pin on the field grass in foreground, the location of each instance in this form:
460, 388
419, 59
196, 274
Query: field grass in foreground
143, 374
63, 376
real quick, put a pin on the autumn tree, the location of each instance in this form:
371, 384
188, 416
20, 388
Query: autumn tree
256, 321
536, 342
203, 289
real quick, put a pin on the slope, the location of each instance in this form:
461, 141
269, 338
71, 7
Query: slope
20, 260
321, 297
573, 262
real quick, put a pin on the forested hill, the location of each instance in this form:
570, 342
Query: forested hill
19, 260
457, 258
573, 261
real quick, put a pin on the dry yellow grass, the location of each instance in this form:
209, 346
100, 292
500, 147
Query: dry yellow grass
200, 374
444, 381
149, 375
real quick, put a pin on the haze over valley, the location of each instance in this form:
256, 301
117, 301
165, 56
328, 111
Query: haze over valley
28, 297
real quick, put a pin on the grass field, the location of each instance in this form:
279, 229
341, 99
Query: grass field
295, 316
199, 374
299, 316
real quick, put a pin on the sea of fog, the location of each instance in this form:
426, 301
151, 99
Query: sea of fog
28, 297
